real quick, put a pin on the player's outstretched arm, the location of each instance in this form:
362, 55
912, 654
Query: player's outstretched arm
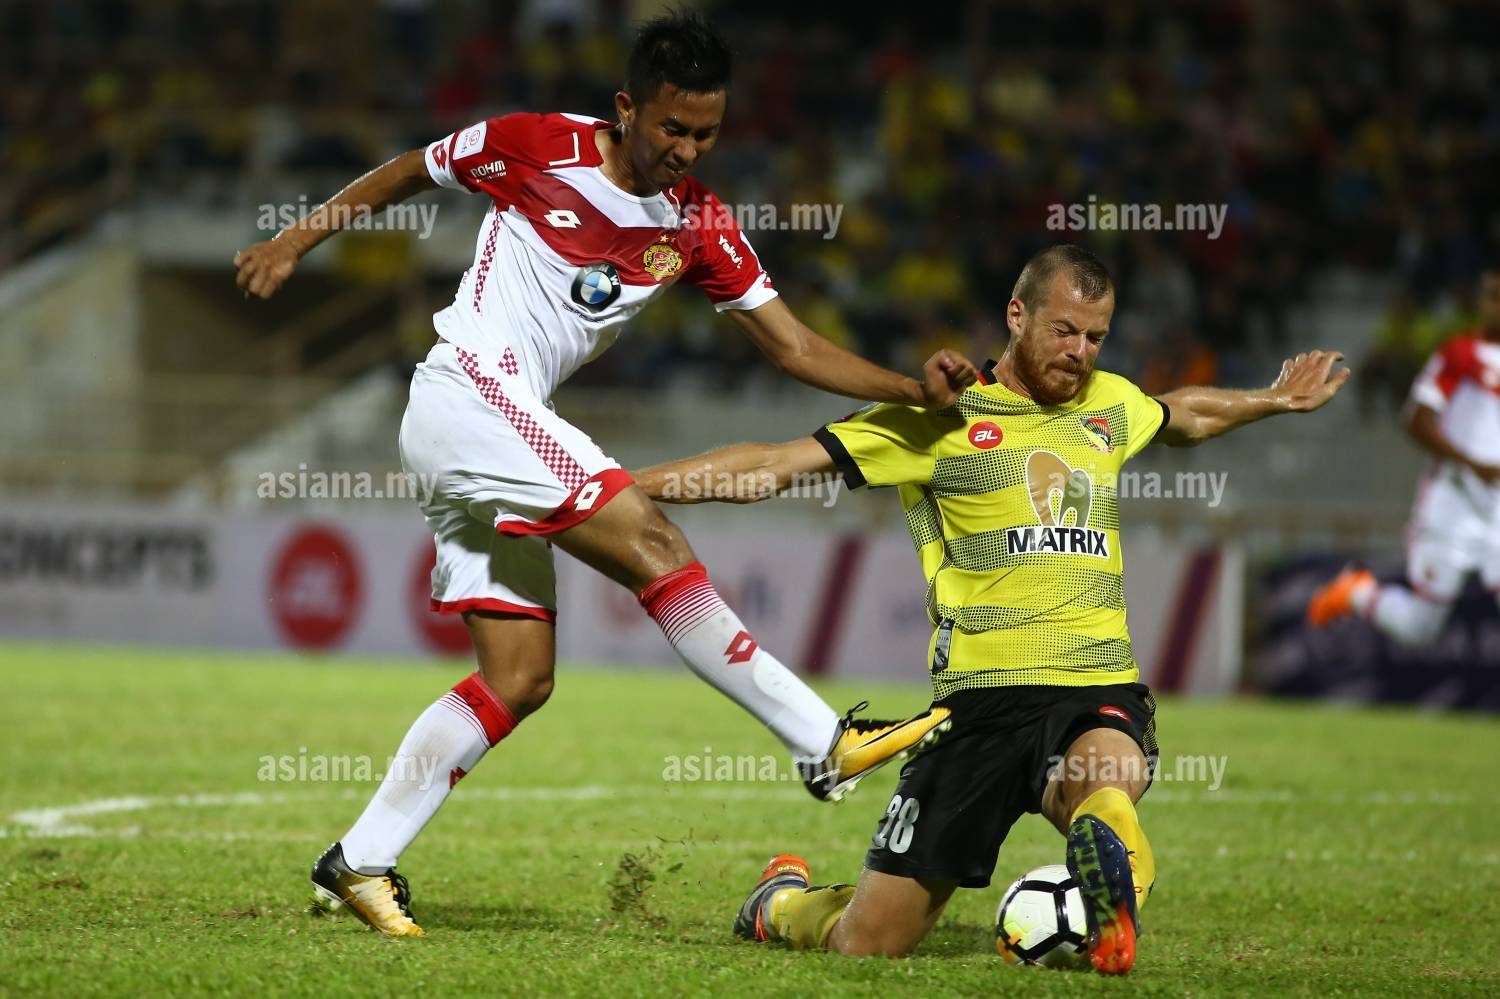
263, 268
812, 360
741, 473
1197, 413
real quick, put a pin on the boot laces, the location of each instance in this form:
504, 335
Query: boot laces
401, 891
864, 726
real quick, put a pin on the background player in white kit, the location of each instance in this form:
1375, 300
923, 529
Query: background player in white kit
1453, 413
589, 222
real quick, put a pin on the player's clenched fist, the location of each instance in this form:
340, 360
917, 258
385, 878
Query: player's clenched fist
264, 267
944, 378
1307, 381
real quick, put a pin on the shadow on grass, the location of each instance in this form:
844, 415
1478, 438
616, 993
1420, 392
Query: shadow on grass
509, 917
959, 940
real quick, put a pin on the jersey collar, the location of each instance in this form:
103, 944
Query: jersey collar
660, 197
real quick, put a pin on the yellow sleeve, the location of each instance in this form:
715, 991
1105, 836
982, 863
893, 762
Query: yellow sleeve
1144, 417
883, 445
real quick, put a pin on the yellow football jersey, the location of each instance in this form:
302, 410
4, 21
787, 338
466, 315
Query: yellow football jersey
1013, 507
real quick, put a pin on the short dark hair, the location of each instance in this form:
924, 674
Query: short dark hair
1088, 272
680, 48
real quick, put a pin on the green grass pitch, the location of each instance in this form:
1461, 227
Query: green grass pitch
1349, 851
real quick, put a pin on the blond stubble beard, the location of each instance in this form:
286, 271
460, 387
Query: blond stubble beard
1035, 378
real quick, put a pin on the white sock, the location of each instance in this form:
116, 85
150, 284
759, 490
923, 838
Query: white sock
445, 743
715, 644
1402, 614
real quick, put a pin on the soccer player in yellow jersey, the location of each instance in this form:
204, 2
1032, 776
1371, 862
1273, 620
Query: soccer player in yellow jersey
1010, 495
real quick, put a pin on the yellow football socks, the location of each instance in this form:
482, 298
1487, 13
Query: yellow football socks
1113, 807
804, 917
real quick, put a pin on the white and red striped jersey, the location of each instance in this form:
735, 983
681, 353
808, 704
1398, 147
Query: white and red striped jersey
1462, 383
565, 257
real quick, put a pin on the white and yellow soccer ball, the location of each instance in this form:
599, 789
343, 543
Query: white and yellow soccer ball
1041, 922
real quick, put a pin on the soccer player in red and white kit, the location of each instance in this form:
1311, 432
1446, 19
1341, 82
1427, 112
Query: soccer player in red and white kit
1454, 414
589, 221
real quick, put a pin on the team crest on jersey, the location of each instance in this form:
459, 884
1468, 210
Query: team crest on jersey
1097, 428
596, 287
1062, 498
662, 260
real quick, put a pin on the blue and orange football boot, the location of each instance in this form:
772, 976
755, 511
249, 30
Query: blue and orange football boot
1100, 864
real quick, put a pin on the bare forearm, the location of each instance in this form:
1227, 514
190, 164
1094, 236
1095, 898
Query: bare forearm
741, 473
825, 366
262, 269
813, 360
736, 474
1201, 412
1197, 413
389, 183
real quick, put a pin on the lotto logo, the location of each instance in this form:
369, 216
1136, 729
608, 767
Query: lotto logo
741, 649
588, 495
985, 435
561, 218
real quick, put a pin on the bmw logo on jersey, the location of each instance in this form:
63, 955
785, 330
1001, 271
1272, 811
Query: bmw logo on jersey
596, 286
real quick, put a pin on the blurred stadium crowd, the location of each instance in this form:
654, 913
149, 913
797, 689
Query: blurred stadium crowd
1360, 134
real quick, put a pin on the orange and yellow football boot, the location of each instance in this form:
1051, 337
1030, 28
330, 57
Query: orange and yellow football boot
864, 745
382, 901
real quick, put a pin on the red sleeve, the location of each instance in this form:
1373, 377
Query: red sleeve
492, 155
1454, 361
726, 266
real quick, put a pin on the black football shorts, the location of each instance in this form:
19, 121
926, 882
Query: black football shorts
956, 802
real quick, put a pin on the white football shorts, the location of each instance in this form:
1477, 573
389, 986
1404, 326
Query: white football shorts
1454, 531
499, 471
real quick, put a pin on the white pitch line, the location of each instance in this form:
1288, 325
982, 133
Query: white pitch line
55, 821
1170, 856
60, 820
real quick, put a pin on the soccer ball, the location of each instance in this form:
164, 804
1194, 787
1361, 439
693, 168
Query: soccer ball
1041, 921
